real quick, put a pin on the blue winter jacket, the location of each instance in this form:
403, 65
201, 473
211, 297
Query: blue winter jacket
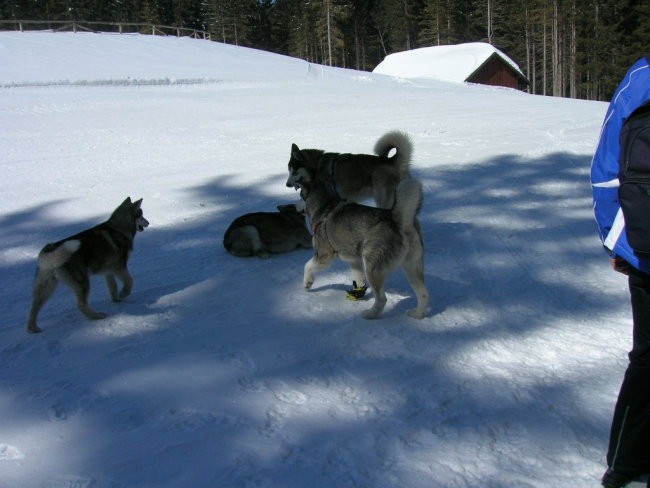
633, 92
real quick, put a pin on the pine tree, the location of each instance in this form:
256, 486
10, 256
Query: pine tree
148, 13
260, 25
487, 18
636, 29
227, 20
381, 24
467, 27
435, 23
302, 41
577, 48
280, 19
402, 22
358, 30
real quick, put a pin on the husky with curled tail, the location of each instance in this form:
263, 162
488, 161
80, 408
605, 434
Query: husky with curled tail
103, 249
356, 177
373, 241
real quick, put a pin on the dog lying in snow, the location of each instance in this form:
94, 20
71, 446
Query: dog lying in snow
264, 233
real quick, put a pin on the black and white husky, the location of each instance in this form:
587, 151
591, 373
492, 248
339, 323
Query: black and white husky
356, 177
104, 249
373, 241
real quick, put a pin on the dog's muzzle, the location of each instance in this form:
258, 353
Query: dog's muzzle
293, 182
142, 224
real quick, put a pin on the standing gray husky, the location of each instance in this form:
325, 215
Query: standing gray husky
356, 176
104, 249
371, 240
264, 233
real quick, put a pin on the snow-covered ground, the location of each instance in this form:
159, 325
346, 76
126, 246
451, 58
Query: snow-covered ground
224, 372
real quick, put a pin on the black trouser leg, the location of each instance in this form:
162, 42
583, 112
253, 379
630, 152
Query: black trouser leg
629, 444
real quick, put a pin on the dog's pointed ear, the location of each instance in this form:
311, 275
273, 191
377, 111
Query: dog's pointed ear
296, 153
137, 203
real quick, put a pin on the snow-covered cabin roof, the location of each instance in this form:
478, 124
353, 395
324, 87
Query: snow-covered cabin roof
449, 63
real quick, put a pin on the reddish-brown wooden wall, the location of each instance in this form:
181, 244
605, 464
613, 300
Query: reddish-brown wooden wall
495, 71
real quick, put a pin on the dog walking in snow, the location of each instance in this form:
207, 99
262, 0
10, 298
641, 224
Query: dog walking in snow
373, 241
104, 249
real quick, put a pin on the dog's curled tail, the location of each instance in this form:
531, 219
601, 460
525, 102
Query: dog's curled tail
408, 200
52, 258
401, 142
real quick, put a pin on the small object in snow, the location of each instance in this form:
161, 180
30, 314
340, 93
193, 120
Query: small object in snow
357, 292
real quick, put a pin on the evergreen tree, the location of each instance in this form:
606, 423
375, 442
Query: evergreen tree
381, 22
467, 27
577, 48
148, 13
403, 23
435, 23
261, 27
488, 20
358, 32
227, 20
636, 29
301, 41
280, 19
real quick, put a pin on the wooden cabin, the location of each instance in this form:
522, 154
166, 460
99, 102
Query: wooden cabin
475, 62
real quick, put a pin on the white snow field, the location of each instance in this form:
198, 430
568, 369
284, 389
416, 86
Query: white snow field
224, 372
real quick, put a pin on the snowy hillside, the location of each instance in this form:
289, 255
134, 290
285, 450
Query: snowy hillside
224, 372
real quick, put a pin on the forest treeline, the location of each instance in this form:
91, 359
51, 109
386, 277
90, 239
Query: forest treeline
568, 48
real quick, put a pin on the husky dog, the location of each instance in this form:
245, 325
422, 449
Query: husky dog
264, 233
356, 176
373, 241
104, 249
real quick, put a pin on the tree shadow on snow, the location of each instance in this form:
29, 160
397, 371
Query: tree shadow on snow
227, 365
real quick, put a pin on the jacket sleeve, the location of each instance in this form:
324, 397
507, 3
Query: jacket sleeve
632, 92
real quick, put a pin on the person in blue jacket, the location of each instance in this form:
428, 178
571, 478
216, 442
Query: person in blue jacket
628, 456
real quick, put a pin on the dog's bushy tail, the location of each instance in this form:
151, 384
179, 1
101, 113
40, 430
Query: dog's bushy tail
408, 200
52, 258
401, 142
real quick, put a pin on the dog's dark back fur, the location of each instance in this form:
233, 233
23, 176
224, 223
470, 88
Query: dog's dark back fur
359, 176
107, 245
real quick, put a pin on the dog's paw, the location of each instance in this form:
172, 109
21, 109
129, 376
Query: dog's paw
123, 294
96, 315
34, 329
308, 280
416, 314
370, 314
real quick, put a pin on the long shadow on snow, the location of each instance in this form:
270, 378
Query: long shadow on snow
250, 388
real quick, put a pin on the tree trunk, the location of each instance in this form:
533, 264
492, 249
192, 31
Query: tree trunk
329, 34
489, 21
573, 81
